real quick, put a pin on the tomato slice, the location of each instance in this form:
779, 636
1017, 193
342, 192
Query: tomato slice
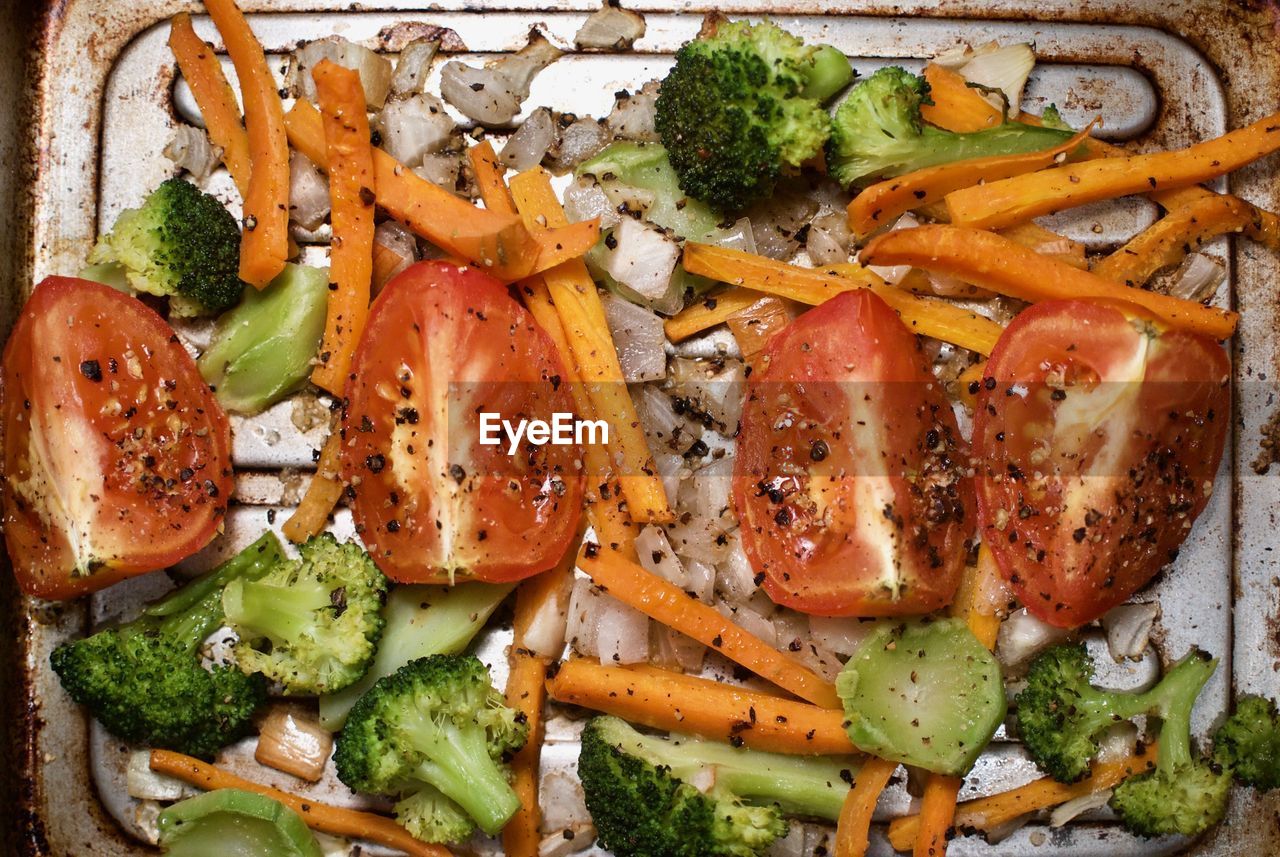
1099, 434
444, 345
117, 457
849, 476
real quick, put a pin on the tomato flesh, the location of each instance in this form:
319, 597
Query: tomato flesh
1099, 434
116, 454
444, 345
849, 476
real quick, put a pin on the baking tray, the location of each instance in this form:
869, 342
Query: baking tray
93, 102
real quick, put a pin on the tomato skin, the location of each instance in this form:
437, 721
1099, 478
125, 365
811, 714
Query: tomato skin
849, 479
443, 344
117, 456
1099, 433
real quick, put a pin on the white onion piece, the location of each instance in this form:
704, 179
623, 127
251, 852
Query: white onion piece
738, 236
735, 577
610, 28
643, 258
666, 431
1065, 812
1128, 629
584, 199
492, 95
191, 150
414, 127
671, 469
894, 274
622, 633
698, 538
1004, 68
633, 115
656, 556
822, 661
145, 784
563, 802
1023, 635
292, 740
639, 340
441, 169
1197, 278
839, 634
1001, 832
750, 621
670, 648
775, 222
707, 493
700, 580
545, 634
392, 241
570, 840
627, 197
580, 140
531, 141
829, 237
714, 389
375, 70
1118, 742
791, 845
584, 610
413, 66
308, 192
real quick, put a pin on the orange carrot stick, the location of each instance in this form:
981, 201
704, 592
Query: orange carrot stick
214, 96
661, 699
666, 603
1047, 243
264, 247
853, 831
334, 820
996, 263
526, 690
937, 812
312, 514
491, 178
714, 309
351, 195
754, 326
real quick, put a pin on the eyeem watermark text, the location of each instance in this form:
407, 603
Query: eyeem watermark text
562, 430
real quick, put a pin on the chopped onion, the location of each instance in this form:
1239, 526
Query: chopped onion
413, 66
671, 470
698, 538
1023, 635
707, 493
394, 249
545, 634
894, 274
441, 169
625, 197
1065, 812
375, 69
673, 649
584, 199
191, 150
839, 634
579, 140
610, 28
563, 804
1118, 742
633, 116
738, 236
750, 621
1128, 629
145, 784
712, 387
1004, 68
643, 258
584, 610
791, 845
656, 556
822, 661
492, 95
700, 580
735, 578
531, 141
829, 237
775, 222
1197, 278
667, 431
638, 338
146, 818
622, 633
308, 192
292, 740
415, 126
570, 840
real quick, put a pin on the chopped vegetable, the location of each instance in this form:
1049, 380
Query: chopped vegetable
714, 309
937, 812
646, 166
291, 739
374, 69
1248, 743
854, 828
491, 182
323, 492
234, 823
492, 95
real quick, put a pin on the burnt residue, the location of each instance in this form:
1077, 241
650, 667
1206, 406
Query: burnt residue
395, 37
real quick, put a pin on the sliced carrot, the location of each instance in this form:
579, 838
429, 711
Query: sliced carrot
1048, 243
214, 96
1168, 241
661, 699
264, 247
577, 303
324, 492
853, 831
753, 327
988, 813
882, 203
526, 691
935, 318
714, 309
996, 263
937, 812
668, 604
334, 820
491, 178
351, 195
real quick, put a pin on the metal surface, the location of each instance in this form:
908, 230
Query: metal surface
1160, 73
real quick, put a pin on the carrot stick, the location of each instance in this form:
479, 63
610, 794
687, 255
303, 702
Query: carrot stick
853, 831
996, 263
934, 318
526, 691
1167, 241
882, 203
264, 246
491, 178
987, 813
351, 195
666, 603
661, 699
312, 514
214, 96
1047, 243
714, 309
334, 820
581, 313
754, 326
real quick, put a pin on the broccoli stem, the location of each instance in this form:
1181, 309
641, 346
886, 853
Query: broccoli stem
273, 611
460, 766
943, 147
831, 73
1172, 700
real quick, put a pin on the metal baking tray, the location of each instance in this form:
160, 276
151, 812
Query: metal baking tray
93, 101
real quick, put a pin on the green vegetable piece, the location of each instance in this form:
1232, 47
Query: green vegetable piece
234, 823
878, 132
926, 694
645, 166
1248, 743
109, 274
181, 244
262, 349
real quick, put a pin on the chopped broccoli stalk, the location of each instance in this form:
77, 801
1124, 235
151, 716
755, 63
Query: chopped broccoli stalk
421, 620
435, 722
878, 132
927, 694
144, 681
262, 348
646, 166
313, 623
742, 107
181, 244
234, 823
109, 274
1248, 743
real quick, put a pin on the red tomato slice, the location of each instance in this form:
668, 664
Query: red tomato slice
1099, 434
848, 479
442, 346
117, 457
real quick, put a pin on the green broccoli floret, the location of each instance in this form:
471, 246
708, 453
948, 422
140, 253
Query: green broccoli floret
144, 681
183, 244
438, 723
639, 790
1248, 743
878, 132
743, 106
311, 624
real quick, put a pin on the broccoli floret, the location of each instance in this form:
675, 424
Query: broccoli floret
1248, 743
743, 106
430, 816
435, 722
183, 244
311, 624
639, 790
144, 681
878, 132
